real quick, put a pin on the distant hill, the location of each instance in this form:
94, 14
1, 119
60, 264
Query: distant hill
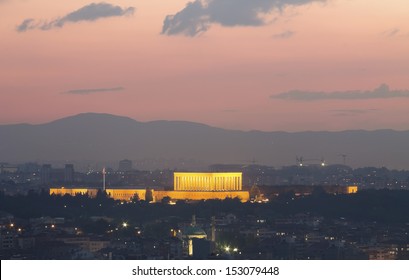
103, 137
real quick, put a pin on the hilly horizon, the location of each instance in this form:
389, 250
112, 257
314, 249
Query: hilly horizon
103, 137
109, 117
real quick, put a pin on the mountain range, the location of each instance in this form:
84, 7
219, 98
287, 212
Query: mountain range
96, 137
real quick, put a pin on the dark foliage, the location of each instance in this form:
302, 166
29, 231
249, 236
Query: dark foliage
382, 206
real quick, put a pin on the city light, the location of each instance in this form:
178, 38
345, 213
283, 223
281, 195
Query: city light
168, 235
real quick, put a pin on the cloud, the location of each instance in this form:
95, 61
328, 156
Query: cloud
93, 90
199, 15
284, 35
395, 33
391, 33
91, 12
382, 92
27, 24
351, 112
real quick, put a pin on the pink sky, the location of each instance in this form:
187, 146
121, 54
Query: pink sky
223, 77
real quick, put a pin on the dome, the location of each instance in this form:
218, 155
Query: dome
194, 232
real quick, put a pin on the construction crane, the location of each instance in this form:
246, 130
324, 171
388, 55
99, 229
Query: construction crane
344, 158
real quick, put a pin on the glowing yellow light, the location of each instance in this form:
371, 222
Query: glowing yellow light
193, 181
124, 224
352, 189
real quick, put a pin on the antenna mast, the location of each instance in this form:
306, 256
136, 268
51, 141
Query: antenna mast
103, 178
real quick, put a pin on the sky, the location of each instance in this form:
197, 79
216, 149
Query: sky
289, 65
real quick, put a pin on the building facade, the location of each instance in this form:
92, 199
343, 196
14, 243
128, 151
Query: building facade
208, 182
125, 165
69, 173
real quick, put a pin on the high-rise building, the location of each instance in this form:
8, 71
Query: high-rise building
46, 174
125, 165
69, 173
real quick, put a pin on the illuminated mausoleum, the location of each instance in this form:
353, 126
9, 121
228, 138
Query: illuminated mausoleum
188, 181
187, 186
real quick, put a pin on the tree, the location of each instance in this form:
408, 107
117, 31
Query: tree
166, 200
255, 192
101, 195
135, 198
148, 195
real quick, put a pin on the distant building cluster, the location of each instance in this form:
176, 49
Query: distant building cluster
204, 186
47, 173
300, 190
301, 236
20, 178
125, 165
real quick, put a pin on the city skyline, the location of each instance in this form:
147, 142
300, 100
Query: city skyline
265, 65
